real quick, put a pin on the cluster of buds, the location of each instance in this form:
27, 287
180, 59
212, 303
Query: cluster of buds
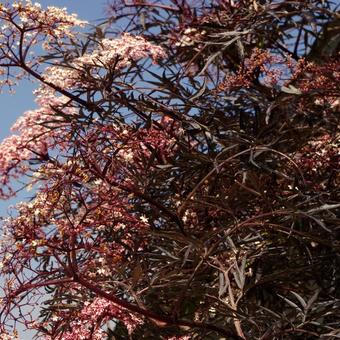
320, 156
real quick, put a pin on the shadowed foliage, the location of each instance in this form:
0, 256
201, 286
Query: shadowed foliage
223, 163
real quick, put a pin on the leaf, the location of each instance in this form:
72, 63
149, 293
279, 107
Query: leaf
200, 92
136, 274
301, 300
186, 255
291, 90
239, 274
290, 303
223, 284
312, 299
232, 244
142, 20
179, 238
240, 48
164, 166
100, 33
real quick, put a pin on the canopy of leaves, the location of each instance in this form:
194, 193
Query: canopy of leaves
187, 164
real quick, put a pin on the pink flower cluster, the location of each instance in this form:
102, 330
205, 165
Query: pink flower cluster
120, 52
320, 81
24, 25
91, 319
86, 186
145, 142
319, 157
53, 21
261, 63
38, 131
111, 54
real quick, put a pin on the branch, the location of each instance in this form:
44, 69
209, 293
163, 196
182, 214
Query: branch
151, 5
169, 321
